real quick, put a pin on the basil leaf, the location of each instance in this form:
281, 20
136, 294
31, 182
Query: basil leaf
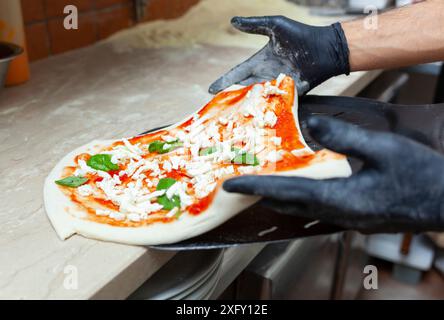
72, 181
163, 146
165, 183
244, 158
102, 162
167, 203
172, 146
207, 151
155, 146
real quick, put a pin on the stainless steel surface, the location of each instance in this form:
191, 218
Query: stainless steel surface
204, 287
341, 264
186, 272
387, 86
286, 271
235, 260
8, 52
406, 274
310, 268
357, 259
439, 261
205, 291
429, 68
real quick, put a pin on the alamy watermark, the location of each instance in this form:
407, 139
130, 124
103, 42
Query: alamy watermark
71, 279
71, 21
371, 20
370, 281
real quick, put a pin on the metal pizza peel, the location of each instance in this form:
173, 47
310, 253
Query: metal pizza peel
258, 224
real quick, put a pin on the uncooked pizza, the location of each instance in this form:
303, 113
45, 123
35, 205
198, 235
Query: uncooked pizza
165, 186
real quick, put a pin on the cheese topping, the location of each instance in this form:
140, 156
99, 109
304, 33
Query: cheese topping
196, 156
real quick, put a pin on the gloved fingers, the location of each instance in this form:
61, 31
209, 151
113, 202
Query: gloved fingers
253, 79
235, 75
255, 25
241, 72
302, 86
292, 189
268, 65
346, 138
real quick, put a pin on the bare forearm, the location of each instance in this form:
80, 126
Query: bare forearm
402, 37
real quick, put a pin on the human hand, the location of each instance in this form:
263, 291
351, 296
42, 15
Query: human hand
309, 54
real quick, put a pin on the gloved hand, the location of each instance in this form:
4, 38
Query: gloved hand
399, 189
310, 55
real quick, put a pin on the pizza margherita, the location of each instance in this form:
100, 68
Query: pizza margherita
165, 186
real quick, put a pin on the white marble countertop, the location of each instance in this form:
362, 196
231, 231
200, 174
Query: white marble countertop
70, 100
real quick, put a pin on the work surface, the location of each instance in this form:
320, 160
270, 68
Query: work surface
72, 99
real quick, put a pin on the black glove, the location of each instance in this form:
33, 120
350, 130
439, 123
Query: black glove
308, 54
399, 189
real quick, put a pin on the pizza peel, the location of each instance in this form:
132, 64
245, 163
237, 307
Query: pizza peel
258, 224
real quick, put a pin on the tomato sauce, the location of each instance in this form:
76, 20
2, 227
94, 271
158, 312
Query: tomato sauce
202, 205
225, 100
107, 203
146, 138
82, 156
176, 174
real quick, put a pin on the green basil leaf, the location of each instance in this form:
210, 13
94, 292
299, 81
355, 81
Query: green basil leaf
244, 158
102, 162
172, 146
165, 183
169, 204
155, 146
72, 181
207, 151
163, 146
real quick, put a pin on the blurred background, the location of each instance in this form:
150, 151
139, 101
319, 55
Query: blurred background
98, 19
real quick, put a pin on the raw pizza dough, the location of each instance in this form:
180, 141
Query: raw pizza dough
208, 22
69, 219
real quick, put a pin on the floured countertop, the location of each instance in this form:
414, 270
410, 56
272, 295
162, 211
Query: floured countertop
100, 92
